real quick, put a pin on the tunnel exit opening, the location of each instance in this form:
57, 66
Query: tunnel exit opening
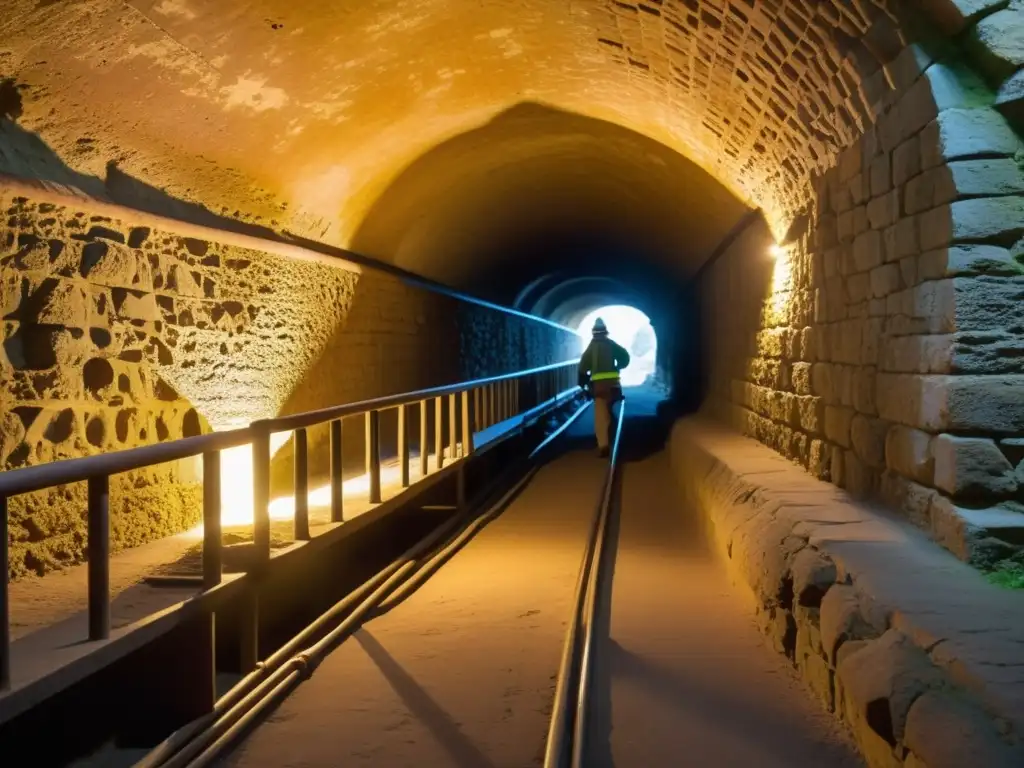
633, 330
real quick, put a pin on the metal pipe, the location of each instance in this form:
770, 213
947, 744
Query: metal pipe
209, 756
579, 742
574, 669
301, 470
183, 736
424, 572
212, 567
285, 667
337, 483
99, 557
233, 722
372, 420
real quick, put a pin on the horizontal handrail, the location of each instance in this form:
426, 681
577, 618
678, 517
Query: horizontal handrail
312, 418
15, 482
458, 411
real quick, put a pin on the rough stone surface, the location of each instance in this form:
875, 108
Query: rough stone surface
905, 642
945, 731
897, 304
980, 536
114, 337
972, 466
790, 88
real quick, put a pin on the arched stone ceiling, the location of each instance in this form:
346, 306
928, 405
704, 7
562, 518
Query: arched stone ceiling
302, 113
538, 184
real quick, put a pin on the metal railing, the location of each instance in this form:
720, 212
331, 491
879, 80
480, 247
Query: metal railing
471, 406
566, 744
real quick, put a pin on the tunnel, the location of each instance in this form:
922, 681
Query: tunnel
219, 214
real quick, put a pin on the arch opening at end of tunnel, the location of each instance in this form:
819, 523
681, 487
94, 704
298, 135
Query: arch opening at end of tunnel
631, 328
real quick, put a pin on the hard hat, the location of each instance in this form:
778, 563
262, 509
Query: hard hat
599, 327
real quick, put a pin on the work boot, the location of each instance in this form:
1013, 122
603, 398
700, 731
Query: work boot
602, 453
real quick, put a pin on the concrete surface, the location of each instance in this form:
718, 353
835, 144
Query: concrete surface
909, 646
463, 672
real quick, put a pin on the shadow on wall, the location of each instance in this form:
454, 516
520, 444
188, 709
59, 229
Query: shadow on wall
24, 154
716, 331
394, 339
481, 203
734, 313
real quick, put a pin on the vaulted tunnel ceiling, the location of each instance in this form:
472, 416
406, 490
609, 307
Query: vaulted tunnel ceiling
420, 131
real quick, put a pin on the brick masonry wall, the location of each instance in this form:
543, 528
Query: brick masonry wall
116, 336
883, 349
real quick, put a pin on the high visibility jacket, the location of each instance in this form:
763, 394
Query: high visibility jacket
602, 360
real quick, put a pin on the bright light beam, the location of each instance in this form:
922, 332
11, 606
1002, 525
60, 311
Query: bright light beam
632, 329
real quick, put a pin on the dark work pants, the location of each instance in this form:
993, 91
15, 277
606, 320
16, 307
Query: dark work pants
606, 394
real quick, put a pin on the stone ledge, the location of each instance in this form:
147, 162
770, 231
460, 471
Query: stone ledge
913, 649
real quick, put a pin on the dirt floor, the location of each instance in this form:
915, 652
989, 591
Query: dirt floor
462, 673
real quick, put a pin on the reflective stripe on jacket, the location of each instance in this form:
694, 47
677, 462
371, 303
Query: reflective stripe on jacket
602, 360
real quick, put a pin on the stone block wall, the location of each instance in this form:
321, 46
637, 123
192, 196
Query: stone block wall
504, 342
116, 335
882, 349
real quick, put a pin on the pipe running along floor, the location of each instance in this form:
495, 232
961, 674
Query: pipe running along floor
462, 673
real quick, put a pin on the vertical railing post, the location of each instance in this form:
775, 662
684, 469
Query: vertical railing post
477, 420
99, 557
492, 413
467, 424
212, 566
439, 430
261, 493
453, 425
301, 484
424, 438
373, 454
249, 628
211, 520
5, 606
403, 444
337, 482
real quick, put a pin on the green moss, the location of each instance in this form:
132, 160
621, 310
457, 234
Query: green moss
1008, 574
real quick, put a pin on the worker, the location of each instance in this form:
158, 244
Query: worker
599, 377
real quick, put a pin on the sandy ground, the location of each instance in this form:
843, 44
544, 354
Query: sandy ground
462, 673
